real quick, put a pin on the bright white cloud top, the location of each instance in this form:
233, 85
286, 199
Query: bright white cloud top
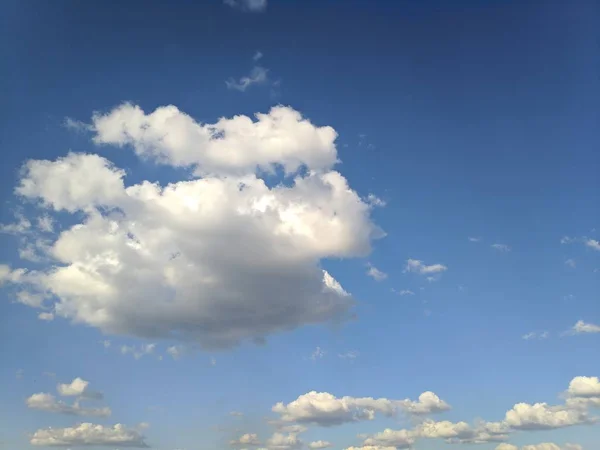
218, 259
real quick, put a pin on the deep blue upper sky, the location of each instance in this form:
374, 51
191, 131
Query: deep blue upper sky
468, 118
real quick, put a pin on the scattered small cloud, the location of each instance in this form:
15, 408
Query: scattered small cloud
19, 374
569, 297
49, 374
257, 55
375, 273
350, 355
536, 335
403, 292
213, 361
257, 75
375, 201
593, 244
246, 439
501, 247
77, 125
247, 5
319, 353
570, 263
567, 240
45, 224
89, 434
236, 414
582, 327
319, 445
105, 343
78, 388
474, 239
48, 317
175, 352
418, 266
138, 352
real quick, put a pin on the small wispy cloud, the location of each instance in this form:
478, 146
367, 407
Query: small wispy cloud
138, 352
105, 343
46, 316
474, 239
418, 266
351, 355
403, 292
570, 263
375, 273
236, 414
257, 75
501, 247
247, 5
582, 327
319, 353
175, 351
373, 200
593, 244
536, 335
257, 55
77, 125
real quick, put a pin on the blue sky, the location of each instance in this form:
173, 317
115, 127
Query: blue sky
438, 161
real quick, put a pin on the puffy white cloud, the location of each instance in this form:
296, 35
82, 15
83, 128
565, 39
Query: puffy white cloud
371, 447
74, 182
88, 434
320, 444
540, 416
542, 446
280, 441
247, 5
462, 432
417, 266
48, 403
375, 273
257, 75
230, 146
246, 439
593, 244
373, 200
584, 387
175, 351
501, 247
582, 327
505, 446
427, 403
79, 388
215, 260
323, 408
391, 438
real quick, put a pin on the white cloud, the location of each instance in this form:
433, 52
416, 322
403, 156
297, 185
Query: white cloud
138, 352
375, 273
391, 438
207, 259
79, 388
474, 239
257, 75
106, 343
584, 387
417, 266
236, 414
280, 441
258, 55
501, 247
593, 244
175, 351
46, 316
320, 444
536, 335
88, 434
247, 5
324, 409
541, 416
23, 225
462, 432
427, 403
404, 292
246, 439
317, 354
505, 446
542, 446
45, 224
48, 403
570, 263
351, 355
375, 201
371, 447
582, 327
